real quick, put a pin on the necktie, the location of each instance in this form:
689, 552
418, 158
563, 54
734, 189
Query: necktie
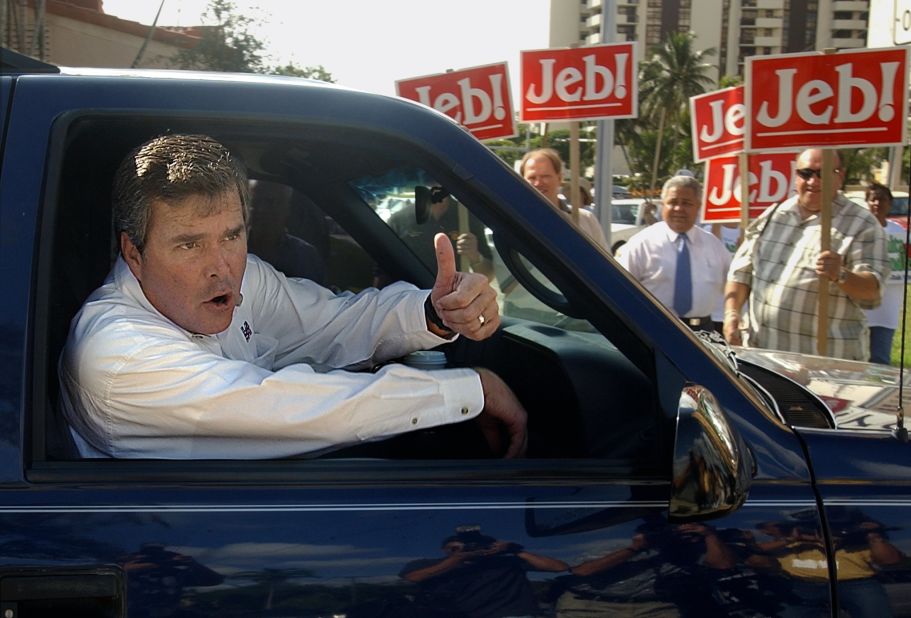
683, 280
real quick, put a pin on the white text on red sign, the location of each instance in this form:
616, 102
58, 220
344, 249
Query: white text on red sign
477, 98
844, 99
770, 179
581, 83
718, 120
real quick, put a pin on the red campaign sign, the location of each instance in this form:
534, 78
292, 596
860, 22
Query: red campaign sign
771, 181
581, 83
477, 98
847, 99
717, 120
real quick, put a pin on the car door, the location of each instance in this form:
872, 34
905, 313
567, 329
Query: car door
615, 506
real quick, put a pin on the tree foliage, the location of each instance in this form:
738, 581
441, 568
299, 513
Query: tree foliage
318, 72
227, 44
675, 72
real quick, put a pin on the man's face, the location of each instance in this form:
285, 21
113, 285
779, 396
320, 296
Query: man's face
194, 260
681, 205
809, 191
540, 173
879, 205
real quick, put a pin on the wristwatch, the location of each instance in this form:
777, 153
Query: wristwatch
431, 314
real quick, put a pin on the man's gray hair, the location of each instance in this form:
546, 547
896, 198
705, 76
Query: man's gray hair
687, 182
171, 168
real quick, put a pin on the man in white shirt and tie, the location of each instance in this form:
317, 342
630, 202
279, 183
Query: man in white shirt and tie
681, 264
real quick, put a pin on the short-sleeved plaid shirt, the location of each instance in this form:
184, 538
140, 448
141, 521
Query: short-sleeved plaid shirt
778, 261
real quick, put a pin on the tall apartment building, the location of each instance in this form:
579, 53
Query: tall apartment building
736, 29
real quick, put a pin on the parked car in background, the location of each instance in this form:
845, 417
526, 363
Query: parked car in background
628, 216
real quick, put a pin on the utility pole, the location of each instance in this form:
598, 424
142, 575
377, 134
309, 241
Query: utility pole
604, 188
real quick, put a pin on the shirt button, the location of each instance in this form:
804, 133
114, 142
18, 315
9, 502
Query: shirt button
465, 410
414, 421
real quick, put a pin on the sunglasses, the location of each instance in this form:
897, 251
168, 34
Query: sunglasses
807, 173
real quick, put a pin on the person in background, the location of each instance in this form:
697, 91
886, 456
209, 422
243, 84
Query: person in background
883, 320
585, 194
543, 169
680, 263
779, 264
443, 217
270, 207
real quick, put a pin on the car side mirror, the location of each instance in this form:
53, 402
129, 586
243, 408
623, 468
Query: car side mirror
712, 466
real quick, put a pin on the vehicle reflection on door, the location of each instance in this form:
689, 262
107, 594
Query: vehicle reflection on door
863, 557
479, 576
157, 579
678, 570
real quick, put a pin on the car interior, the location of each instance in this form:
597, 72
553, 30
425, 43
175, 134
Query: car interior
585, 398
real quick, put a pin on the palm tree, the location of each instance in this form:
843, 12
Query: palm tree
675, 73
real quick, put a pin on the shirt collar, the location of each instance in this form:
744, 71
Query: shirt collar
672, 235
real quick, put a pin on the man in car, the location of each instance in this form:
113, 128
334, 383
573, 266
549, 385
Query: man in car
192, 348
779, 264
683, 265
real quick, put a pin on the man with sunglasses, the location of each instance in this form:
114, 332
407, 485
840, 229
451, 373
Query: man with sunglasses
779, 265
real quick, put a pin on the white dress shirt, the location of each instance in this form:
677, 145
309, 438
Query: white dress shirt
651, 257
134, 384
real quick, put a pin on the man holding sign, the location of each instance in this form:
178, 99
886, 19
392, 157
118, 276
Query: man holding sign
779, 266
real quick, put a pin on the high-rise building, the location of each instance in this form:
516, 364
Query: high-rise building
735, 29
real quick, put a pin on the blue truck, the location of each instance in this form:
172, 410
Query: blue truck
666, 473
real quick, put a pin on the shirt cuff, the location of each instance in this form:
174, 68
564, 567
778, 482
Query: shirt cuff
463, 397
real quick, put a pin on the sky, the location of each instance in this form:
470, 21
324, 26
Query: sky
369, 44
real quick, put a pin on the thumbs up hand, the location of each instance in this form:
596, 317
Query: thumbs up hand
465, 302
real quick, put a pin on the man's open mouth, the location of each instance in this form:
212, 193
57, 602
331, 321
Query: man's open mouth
221, 300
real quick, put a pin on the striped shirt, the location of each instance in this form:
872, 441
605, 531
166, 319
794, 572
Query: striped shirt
777, 260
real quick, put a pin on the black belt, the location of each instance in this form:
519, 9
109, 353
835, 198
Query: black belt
699, 323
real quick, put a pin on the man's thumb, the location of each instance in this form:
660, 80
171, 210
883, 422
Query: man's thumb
446, 268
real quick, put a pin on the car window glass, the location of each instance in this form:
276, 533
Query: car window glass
393, 198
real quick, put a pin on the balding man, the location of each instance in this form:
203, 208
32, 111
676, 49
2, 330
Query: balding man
779, 264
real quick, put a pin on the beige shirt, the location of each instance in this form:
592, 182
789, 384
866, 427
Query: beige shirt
588, 225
